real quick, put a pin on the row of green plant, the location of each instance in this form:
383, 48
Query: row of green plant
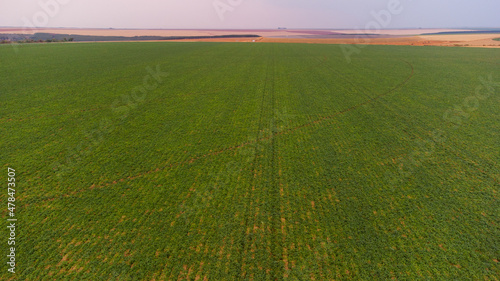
217, 161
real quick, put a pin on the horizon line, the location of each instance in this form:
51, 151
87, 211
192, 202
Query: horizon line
276, 28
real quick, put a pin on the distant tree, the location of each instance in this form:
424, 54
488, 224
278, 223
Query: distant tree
65, 39
71, 39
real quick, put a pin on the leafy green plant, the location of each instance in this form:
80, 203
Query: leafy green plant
252, 161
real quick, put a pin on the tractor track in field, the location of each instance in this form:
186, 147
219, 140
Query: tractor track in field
276, 270
241, 145
245, 239
257, 140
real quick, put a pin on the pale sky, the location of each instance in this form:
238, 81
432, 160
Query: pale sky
250, 14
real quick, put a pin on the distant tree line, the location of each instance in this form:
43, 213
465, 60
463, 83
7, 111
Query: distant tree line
51, 37
29, 40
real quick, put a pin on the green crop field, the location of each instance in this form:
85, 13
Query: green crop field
249, 161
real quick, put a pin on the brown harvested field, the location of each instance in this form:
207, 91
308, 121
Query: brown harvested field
361, 40
466, 40
239, 39
460, 37
400, 32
